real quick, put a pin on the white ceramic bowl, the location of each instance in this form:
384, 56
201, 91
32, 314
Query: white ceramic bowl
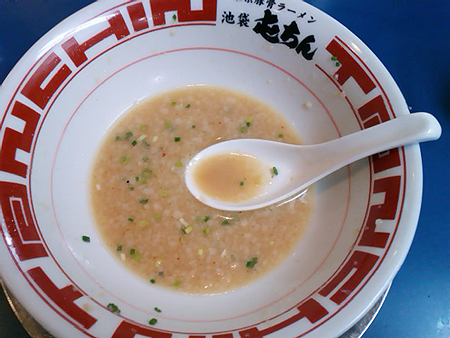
74, 83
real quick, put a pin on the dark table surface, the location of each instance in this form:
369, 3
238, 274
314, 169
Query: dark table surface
412, 39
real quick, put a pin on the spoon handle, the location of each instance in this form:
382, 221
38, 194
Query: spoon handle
404, 130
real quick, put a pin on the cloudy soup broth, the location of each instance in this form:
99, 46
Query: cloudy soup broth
151, 222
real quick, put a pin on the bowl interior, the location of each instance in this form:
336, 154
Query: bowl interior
330, 86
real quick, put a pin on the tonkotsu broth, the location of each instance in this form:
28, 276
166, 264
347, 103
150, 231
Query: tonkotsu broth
151, 222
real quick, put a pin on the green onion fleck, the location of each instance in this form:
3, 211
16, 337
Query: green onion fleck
153, 321
143, 127
275, 171
145, 159
132, 251
157, 309
187, 106
134, 143
117, 138
167, 124
164, 192
131, 188
146, 173
225, 222
143, 200
113, 308
119, 247
187, 229
130, 219
252, 262
280, 135
124, 159
137, 256
128, 134
241, 183
176, 283
337, 64
243, 129
334, 58
193, 126
206, 231
173, 103
177, 139
86, 239
157, 217
174, 17
178, 164
206, 219
248, 122
153, 281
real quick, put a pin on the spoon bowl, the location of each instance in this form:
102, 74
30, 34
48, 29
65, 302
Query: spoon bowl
298, 166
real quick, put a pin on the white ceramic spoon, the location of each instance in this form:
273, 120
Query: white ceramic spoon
301, 165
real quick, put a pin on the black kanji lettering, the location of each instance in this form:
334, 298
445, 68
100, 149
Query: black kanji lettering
228, 17
243, 19
304, 47
267, 27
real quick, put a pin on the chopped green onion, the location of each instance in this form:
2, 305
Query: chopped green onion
113, 308
241, 183
275, 171
167, 124
131, 188
178, 164
157, 217
280, 135
145, 143
143, 200
143, 223
136, 178
243, 129
173, 103
128, 134
130, 219
177, 139
193, 126
225, 222
248, 122
206, 219
145, 159
187, 229
86, 239
176, 283
137, 256
206, 231
252, 262
134, 143
188, 106
146, 173
143, 127
152, 281
334, 58
119, 247
157, 309
153, 321
117, 138
124, 159
132, 251
337, 64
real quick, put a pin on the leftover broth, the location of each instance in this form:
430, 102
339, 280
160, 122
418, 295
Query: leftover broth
151, 222
231, 177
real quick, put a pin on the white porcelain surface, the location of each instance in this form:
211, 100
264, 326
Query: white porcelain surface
67, 283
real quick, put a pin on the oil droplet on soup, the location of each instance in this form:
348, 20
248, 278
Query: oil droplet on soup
150, 221
231, 177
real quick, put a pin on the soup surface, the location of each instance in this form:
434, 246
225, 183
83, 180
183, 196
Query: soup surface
151, 222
